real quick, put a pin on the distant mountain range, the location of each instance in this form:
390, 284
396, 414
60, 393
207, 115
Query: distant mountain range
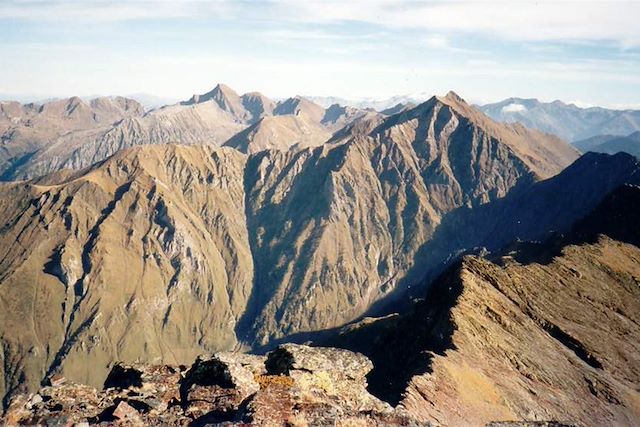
567, 121
611, 144
74, 133
377, 104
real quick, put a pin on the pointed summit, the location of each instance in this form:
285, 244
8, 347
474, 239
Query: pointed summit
298, 105
452, 96
248, 108
226, 98
449, 118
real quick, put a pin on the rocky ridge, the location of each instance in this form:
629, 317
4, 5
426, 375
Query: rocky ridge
293, 385
26, 129
542, 331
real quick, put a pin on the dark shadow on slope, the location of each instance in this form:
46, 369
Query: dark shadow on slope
15, 164
272, 251
401, 347
617, 217
529, 213
491, 226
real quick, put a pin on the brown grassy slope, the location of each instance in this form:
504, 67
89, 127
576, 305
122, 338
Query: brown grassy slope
144, 257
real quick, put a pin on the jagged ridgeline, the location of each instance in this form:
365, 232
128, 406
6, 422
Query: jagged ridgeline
163, 252
73, 133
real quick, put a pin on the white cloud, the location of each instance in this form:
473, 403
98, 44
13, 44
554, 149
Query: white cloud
516, 19
514, 108
438, 42
523, 20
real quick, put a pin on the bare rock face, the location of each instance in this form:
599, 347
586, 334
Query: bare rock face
334, 361
228, 387
200, 388
335, 372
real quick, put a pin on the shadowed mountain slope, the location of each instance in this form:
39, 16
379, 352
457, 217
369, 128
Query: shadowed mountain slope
549, 338
611, 144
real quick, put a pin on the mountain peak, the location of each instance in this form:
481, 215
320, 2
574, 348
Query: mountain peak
222, 86
225, 90
218, 93
544, 155
299, 104
452, 96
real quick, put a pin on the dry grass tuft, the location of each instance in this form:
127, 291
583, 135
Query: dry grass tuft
266, 380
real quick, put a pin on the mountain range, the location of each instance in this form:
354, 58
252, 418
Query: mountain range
611, 144
567, 121
464, 256
73, 133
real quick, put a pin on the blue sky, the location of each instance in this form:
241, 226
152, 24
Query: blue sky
583, 52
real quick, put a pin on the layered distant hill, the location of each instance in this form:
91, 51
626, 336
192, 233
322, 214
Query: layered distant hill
611, 144
567, 121
163, 252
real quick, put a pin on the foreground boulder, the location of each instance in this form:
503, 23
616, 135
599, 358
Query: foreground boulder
298, 385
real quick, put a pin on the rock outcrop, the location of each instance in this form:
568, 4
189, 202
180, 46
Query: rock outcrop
231, 388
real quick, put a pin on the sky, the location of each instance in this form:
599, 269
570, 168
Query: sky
586, 52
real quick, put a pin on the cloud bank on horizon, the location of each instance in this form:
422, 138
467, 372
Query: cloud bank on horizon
578, 51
